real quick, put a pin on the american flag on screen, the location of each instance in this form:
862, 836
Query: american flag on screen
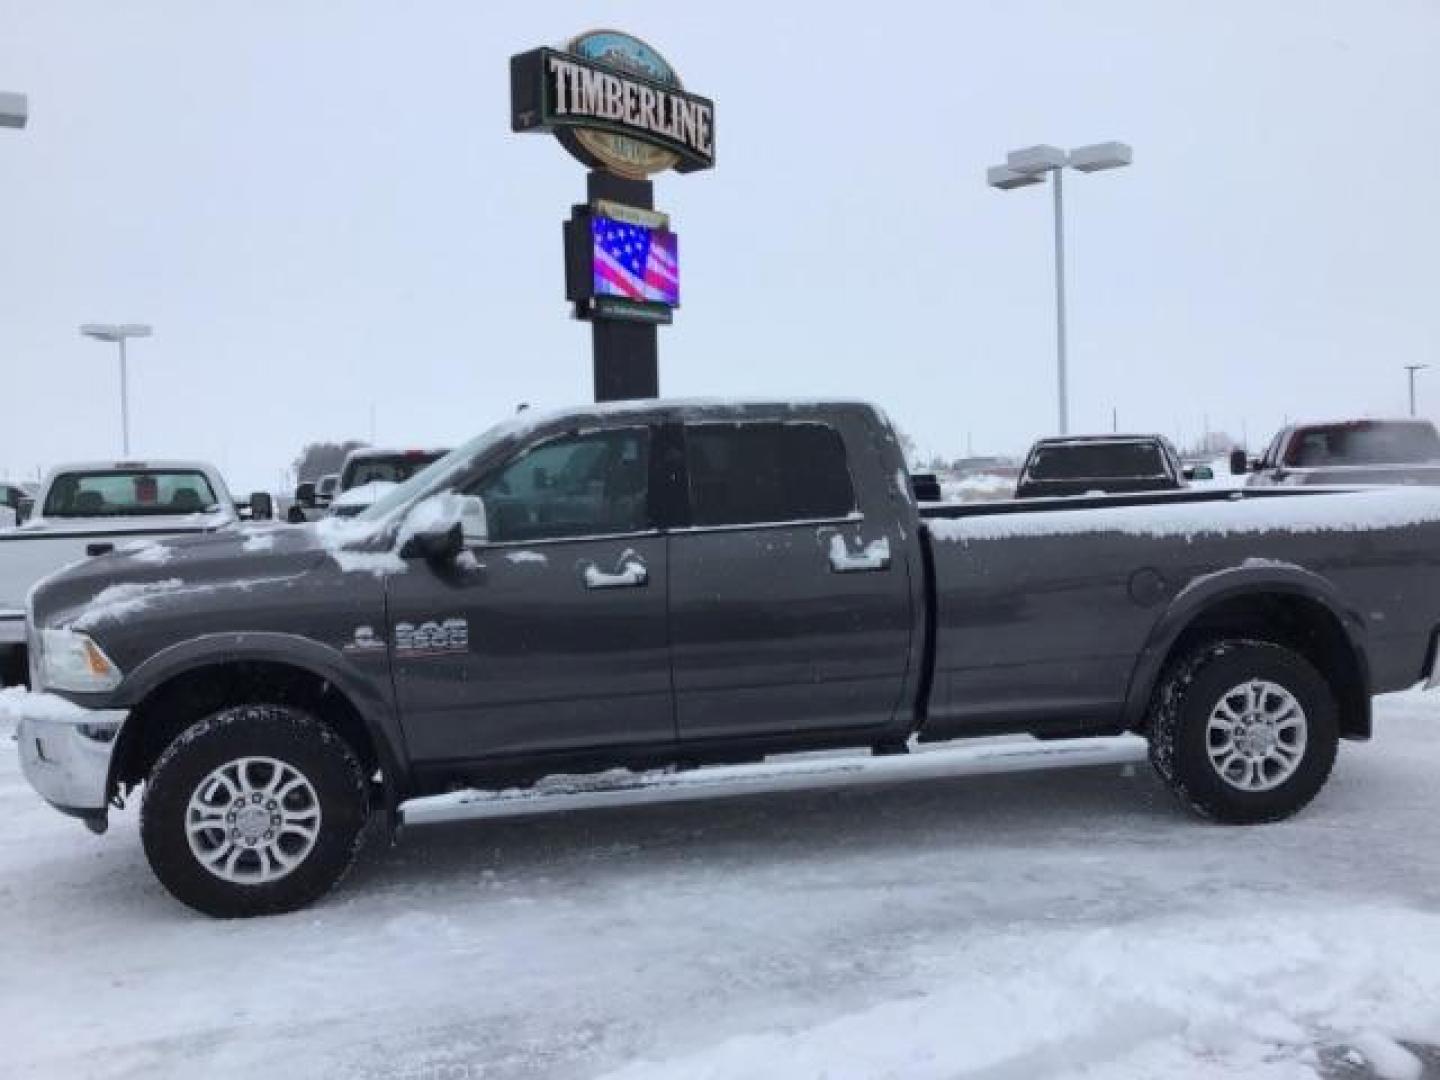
635, 262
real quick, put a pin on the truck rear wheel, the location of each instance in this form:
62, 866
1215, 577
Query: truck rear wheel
255, 810
1244, 731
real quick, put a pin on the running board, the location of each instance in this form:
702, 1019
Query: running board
621, 787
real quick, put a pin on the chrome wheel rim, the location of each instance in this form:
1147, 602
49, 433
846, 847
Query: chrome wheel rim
253, 820
1256, 735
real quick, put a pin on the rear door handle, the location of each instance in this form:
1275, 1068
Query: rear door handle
99, 549
630, 574
873, 556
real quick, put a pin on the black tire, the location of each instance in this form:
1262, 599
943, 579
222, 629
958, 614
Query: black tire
337, 790
1181, 740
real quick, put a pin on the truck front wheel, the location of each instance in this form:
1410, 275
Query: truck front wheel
255, 810
1244, 731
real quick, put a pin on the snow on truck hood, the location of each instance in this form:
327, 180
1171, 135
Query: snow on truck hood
112, 588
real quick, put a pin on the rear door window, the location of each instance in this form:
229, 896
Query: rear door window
757, 473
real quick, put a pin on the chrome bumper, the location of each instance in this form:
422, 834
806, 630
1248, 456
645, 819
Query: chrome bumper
65, 754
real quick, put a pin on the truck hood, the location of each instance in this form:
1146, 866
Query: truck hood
107, 590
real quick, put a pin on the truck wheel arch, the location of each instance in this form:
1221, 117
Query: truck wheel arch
1278, 602
217, 668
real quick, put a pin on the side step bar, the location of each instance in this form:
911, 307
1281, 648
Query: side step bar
621, 787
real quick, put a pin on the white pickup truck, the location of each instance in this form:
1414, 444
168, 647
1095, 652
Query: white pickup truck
93, 508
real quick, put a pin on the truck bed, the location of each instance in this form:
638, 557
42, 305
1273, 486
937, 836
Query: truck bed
1077, 594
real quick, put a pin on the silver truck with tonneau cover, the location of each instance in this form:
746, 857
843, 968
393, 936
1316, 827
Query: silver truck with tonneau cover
672, 584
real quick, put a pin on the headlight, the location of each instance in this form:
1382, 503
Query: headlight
69, 660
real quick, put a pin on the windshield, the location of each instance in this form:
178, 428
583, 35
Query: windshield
1377, 443
129, 492
392, 468
1096, 461
437, 477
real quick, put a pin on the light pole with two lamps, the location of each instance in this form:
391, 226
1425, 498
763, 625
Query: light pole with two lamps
119, 333
1029, 166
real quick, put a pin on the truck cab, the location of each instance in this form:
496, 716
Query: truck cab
1100, 464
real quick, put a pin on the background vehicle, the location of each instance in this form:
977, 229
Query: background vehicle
91, 509
17, 498
1086, 464
665, 584
1352, 452
369, 472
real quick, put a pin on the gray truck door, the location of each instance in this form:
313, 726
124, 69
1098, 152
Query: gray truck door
553, 635
788, 613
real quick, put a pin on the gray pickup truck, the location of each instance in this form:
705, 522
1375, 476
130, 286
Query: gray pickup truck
679, 584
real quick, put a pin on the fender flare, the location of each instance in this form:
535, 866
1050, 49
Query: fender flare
1203, 593
376, 712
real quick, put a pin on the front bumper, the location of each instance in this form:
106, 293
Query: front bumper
65, 753
12, 627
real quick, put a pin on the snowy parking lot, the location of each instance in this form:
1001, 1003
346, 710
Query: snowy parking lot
988, 918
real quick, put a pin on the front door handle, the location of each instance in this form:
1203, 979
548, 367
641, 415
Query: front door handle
631, 573
873, 556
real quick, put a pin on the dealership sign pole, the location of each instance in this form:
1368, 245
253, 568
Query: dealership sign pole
617, 106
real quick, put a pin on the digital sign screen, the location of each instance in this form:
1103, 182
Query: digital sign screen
635, 262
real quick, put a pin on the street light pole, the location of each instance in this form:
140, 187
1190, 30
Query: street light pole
120, 334
14, 110
1410, 370
1060, 358
1030, 166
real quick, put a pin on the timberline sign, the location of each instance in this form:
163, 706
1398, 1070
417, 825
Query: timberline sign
614, 103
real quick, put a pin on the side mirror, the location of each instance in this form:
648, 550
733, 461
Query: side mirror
305, 495
1239, 465
441, 527
262, 506
23, 509
474, 525
438, 544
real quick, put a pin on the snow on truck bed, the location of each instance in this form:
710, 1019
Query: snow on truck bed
986, 919
1308, 512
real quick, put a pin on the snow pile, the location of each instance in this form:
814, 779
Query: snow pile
980, 487
1249, 992
363, 495
258, 542
1321, 511
118, 602
527, 557
341, 536
147, 551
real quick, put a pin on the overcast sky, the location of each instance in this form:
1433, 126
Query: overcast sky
321, 208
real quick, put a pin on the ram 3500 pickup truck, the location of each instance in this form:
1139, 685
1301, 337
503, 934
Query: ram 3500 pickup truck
653, 584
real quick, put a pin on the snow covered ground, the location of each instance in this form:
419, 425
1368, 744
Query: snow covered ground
986, 919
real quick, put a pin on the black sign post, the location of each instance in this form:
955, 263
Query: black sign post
626, 352
617, 106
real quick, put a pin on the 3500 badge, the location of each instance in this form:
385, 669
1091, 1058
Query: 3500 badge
432, 638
